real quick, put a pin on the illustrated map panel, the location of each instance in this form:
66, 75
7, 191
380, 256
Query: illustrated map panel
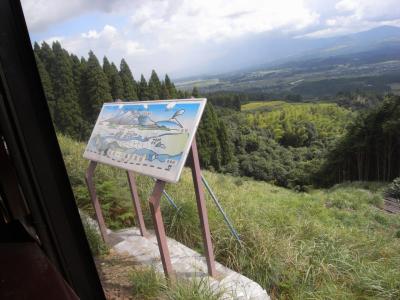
147, 137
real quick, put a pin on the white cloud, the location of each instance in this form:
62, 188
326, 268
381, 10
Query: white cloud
42, 13
370, 9
175, 35
349, 16
108, 41
218, 20
167, 22
91, 34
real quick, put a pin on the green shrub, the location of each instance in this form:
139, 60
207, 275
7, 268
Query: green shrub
192, 290
147, 283
323, 244
393, 190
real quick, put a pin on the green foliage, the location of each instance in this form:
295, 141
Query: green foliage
296, 245
164, 93
209, 145
67, 112
76, 88
97, 88
193, 290
143, 89
358, 100
227, 100
76, 73
226, 146
111, 185
352, 197
46, 83
147, 284
213, 141
370, 148
170, 87
128, 82
263, 105
154, 86
299, 125
393, 190
117, 86
260, 152
332, 86
114, 79
317, 143
46, 55
195, 92
107, 69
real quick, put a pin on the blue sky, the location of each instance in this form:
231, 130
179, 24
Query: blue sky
188, 37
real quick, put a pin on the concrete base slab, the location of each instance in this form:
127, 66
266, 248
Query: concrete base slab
187, 263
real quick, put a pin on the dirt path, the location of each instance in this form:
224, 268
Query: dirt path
114, 272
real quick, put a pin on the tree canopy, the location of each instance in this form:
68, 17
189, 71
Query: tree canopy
128, 82
371, 148
76, 88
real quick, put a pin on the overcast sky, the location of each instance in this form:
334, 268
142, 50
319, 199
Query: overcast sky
181, 37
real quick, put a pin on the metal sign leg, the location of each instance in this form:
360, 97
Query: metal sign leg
93, 196
202, 209
136, 203
159, 228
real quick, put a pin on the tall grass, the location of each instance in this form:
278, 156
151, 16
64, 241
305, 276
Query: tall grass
324, 244
149, 284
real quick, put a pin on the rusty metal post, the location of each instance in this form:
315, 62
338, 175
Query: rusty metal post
93, 196
159, 228
136, 203
202, 209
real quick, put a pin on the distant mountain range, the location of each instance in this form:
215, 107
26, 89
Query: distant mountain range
368, 61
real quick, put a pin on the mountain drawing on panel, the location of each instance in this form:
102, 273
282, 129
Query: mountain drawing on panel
147, 137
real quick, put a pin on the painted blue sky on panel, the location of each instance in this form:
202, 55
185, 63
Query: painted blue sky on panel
159, 111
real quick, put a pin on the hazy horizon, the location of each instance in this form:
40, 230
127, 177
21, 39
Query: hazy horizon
189, 38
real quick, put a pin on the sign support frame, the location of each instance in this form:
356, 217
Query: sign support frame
154, 203
97, 207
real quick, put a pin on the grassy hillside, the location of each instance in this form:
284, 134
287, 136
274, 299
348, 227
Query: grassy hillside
325, 244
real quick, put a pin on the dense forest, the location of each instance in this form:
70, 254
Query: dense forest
290, 143
370, 150
311, 144
282, 143
76, 88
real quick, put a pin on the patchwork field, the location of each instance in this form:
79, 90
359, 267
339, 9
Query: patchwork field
262, 105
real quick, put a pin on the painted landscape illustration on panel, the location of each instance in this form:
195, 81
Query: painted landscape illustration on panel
152, 138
